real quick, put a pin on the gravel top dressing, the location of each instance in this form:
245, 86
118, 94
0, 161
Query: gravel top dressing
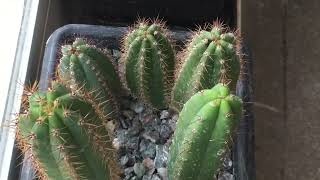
143, 138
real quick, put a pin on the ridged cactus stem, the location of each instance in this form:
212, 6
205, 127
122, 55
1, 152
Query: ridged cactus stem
90, 73
204, 134
66, 138
211, 57
148, 63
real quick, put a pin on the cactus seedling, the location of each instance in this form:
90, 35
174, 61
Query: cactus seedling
66, 138
210, 58
90, 74
204, 131
148, 63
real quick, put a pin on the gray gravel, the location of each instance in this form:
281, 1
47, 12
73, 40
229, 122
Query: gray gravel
143, 138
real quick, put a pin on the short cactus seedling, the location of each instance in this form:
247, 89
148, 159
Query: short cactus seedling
211, 57
65, 138
148, 63
203, 134
90, 73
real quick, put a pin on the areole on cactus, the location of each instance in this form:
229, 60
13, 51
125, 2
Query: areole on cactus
66, 139
91, 74
211, 57
148, 62
203, 134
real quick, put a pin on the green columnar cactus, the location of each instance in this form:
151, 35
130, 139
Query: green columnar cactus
90, 74
66, 138
204, 131
211, 58
148, 63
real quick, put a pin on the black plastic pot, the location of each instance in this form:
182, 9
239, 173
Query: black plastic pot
109, 37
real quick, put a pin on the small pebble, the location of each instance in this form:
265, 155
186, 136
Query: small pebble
124, 160
164, 114
172, 124
121, 138
128, 171
153, 136
163, 173
147, 149
148, 163
133, 143
139, 169
134, 178
165, 132
161, 156
137, 107
155, 177
135, 128
116, 144
123, 122
226, 176
147, 177
150, 172
227, 163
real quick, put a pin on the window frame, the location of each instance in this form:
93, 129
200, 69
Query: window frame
28, 30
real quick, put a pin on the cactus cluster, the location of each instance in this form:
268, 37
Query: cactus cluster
67, 130
148, 63
66, 139
203, 134
211, 57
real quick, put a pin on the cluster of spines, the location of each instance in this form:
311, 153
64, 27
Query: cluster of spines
65, 137
204, 133
91, 74
211, 57
148, 61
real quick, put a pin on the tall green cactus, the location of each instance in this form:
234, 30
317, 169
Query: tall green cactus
90, 73
210, 58
66, 138
148, 63
204, 132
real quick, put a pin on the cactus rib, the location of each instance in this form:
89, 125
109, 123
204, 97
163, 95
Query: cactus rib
91, 74
211, 58
148, 63
66, 138
203, 134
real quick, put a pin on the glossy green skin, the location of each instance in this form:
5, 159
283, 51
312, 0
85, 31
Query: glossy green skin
91, 74
148, 64
210, 58
58, 131
203, 134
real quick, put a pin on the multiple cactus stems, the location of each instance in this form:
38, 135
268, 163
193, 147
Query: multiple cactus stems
148, 63
203, 134
90, 73
66, 138
211, 57
67, 130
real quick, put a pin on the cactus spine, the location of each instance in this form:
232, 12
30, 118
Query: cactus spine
204, 132
148, 63
211, 58
90, 74
66, 138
